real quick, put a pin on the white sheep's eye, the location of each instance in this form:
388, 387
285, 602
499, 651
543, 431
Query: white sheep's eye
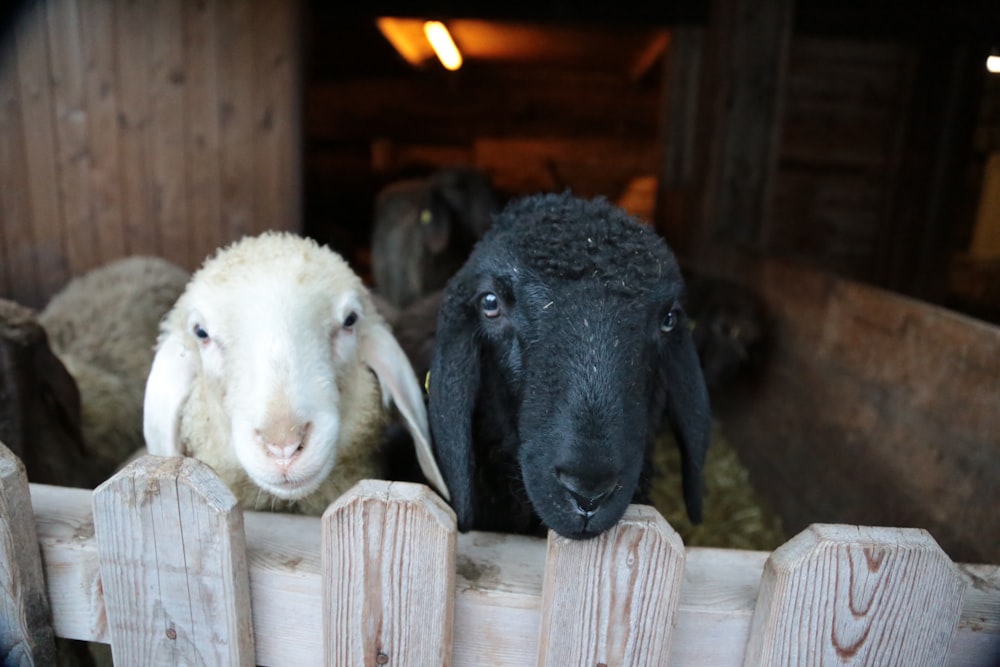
351, 318
490, 305
200, 333
670, 321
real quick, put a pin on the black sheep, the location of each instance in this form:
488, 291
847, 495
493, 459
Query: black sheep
561, 345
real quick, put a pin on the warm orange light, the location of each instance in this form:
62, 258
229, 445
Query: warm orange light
993, 64
439, 37
403, 38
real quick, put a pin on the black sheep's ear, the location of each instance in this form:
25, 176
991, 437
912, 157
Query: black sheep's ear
452, 388
689, 413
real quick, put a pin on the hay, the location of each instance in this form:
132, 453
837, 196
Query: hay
734, 516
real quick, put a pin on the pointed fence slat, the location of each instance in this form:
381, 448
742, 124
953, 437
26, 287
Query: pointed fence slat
850, 595
173, 565
498, 593
26, 636
388, 556
611, 600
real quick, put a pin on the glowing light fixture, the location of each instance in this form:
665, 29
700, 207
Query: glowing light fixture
402, 39
993, 64
439, 37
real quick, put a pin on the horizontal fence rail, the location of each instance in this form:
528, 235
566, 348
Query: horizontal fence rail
161, 563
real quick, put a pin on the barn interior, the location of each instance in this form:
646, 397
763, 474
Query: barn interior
841, 160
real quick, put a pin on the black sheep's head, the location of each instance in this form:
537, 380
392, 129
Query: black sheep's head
562, 340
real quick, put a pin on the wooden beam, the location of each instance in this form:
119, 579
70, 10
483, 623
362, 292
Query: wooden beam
742, 90
26, 636
674, 215
926, 213
863, 390
436, 109
498, 592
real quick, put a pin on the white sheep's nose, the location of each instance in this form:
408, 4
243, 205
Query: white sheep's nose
283, 439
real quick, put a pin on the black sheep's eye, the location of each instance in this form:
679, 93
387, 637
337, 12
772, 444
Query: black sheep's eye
490, 305
670, 321
200, 332
351, 318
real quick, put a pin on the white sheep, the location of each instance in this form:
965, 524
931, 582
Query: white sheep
275, 369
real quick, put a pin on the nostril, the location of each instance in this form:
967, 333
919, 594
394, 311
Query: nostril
283, 452
284, 443
588, 493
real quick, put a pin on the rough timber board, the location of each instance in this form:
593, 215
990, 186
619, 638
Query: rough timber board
871, 409
498, 592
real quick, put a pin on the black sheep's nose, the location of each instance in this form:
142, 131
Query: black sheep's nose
587, 493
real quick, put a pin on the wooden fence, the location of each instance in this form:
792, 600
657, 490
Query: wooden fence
161, 563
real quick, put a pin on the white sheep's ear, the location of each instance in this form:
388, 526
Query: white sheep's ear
384, 356
169, 383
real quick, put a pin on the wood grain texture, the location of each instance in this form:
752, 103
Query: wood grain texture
871, 409
612, 600
144, 127
389, 566
849, 595
18, 273
173, 565
743, 88
40, 149
498, 592
26, 636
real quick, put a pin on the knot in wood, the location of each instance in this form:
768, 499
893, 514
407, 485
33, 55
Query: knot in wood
382, 658
171, 633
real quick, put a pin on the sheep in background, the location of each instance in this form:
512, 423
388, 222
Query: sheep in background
103, 327
275, 369
561, 345
75, 374
40, 404
730, 328
424, 230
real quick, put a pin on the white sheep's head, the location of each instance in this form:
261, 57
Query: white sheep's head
276, 330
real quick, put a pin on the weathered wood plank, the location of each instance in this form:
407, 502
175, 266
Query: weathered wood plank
20, 277
201, 139
591, 166
276, 116
864, 388
521, 102
234, 52
97, 28
26, 636
747, 44
612, 600
166, 88
173, 565
389, 564
72, 137
678, 118
844, 594
37, 117
131, 35
498, 591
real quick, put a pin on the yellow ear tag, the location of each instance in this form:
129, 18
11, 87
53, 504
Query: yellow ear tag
427, 382
691, 324
426, 216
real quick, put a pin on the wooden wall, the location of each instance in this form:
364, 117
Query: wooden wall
841, 139
163, 127
871, 408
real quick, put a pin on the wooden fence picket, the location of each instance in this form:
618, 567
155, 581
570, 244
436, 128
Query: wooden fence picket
173, 565
846, 595
26, 636
611, 600
388, 560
